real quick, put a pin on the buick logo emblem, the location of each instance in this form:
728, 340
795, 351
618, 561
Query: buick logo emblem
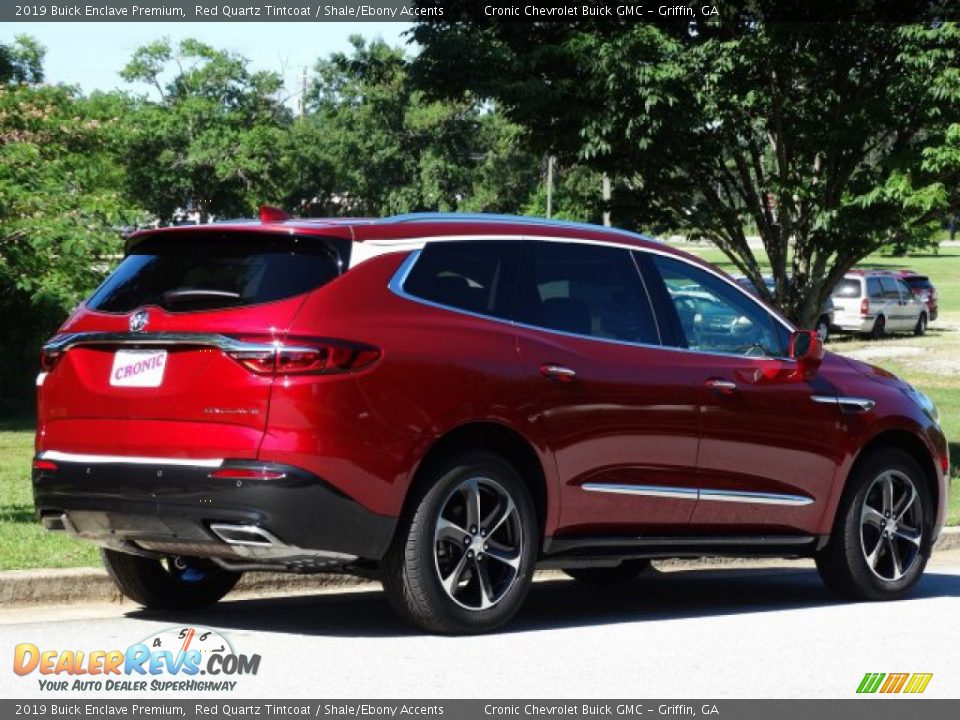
139, 320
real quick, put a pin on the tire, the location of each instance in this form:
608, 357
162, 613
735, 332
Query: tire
170, 584
921, 327
487, 586
622, 574
879, 328
823, 328
845, 564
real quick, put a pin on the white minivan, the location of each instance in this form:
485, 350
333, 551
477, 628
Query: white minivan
877, 302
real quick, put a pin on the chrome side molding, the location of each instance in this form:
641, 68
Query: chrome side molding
687, 493
660, 491
850, 404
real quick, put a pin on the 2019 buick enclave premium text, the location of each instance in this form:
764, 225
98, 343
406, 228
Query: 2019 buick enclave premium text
448, 402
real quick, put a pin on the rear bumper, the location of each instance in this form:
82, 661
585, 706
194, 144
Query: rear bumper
295, 522
855, 323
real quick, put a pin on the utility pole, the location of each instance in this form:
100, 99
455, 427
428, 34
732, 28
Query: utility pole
605, 194
550, 162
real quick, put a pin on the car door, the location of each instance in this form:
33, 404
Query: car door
911, 305
895, 308
620, 416
768, 450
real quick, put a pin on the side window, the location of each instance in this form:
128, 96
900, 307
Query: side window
890, 289
874, 289
715, 317
586, 290
905, 292
477, 275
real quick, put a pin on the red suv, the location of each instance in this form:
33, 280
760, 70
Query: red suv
451, 401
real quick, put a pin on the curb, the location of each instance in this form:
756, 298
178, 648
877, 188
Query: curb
65, 586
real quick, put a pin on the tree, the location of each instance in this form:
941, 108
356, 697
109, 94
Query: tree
215, 138
373, 144
61, 209
827, 137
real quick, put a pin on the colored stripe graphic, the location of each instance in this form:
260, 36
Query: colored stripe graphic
918, 682
895, 682
870, 682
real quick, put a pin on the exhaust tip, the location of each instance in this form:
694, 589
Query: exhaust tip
245, 535
55, 523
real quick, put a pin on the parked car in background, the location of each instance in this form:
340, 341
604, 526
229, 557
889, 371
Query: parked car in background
921, 286
877, 302
824, 321
448, 402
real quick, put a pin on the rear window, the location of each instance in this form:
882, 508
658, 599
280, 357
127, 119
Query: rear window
186, 273
918, 282
847, 289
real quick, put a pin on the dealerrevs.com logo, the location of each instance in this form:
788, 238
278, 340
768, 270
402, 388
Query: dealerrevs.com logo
177, 659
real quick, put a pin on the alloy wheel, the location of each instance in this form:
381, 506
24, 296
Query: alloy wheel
891, 525
478, 543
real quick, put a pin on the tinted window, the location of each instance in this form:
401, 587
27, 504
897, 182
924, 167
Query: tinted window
715, 317
890, 289
478, 276
918, 282
847, 288
190, 272
587, 290
874, 289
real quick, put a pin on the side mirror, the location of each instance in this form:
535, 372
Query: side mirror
806, 347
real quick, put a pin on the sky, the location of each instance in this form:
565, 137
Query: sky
91, 54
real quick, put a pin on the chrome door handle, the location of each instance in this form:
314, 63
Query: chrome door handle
557, 372
721, 386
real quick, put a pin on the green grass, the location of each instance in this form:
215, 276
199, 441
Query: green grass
23, 543
931, 363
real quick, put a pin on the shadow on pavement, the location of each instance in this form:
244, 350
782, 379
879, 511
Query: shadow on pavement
552, 603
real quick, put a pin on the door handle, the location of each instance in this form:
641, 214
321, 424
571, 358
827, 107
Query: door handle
557, 372
721, 386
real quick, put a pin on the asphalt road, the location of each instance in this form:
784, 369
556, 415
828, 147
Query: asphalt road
750, 631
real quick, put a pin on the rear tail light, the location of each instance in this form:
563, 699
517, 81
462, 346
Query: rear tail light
45, 465
307, 358
865, 307
49, 359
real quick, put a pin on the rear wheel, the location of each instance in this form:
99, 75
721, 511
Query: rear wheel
879, 544
627, 571
463, 558
921, 327
879, 328
172, 583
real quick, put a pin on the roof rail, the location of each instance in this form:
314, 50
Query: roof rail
500, 218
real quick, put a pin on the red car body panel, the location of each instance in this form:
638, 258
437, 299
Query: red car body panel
636, 415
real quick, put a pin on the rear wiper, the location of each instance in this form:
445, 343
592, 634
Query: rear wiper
171, 297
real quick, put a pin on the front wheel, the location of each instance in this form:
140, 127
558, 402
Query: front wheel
463, 558
879, 545
170, 584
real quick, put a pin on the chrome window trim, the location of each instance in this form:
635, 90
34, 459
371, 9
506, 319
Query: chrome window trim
57, 456
400, 277
689, 493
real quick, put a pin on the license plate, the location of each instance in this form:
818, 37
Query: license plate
138, 368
